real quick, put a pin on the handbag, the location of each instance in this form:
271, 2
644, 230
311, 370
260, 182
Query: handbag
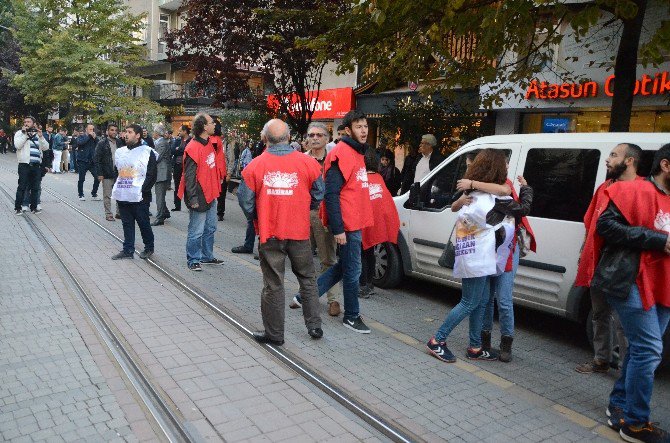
448, 257
523, 242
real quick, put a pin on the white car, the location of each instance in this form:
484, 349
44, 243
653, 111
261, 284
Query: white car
564, 171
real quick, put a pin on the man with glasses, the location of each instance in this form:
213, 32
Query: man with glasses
317, 137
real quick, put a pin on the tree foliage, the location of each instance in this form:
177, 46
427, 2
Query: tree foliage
227, 42
501, 44
81, 55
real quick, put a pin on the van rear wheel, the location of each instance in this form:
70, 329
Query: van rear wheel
388, 266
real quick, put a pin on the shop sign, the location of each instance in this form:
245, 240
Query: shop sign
330, 104
658, 84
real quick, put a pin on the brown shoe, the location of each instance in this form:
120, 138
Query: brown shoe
593, 366
334, 309
110, 218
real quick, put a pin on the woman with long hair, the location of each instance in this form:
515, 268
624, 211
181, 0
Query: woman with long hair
484, 234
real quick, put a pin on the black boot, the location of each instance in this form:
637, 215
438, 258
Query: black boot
506, 348
486, 341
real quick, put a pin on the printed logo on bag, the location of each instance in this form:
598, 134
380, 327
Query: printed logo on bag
362, 176
375, 191
662, 221
466, 232
280, 183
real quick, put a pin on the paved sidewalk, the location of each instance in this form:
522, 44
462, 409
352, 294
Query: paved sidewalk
56, 382
385, 370
225, 386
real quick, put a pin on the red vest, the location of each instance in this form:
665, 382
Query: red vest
642, 204
208, 173
526, 225
592, 242
386, 221
354, 196
282, 185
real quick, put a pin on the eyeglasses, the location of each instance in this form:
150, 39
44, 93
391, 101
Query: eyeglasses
315, 134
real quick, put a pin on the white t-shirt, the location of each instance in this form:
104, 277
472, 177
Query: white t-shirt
422, 168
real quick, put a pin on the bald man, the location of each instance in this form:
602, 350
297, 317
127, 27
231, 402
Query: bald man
280, 187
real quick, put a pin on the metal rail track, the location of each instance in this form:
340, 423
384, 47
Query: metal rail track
392, 431
166, 419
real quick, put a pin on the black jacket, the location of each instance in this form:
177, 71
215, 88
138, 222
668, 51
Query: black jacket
619, 262
86, 148
103, 159
409, 168
193, 192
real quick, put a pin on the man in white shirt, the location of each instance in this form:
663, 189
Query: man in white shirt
428, 143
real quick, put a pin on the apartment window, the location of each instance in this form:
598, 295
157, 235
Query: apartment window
163, 26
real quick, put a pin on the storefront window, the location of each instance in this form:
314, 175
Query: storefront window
592, 121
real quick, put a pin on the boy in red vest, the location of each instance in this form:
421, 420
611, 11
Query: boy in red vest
279, 188
386, 225
633, 273
346, 211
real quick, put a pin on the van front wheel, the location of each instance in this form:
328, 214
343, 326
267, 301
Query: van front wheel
388, 266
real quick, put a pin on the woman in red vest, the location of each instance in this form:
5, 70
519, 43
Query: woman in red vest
386, 223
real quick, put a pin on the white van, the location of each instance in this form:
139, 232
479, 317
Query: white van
564, 171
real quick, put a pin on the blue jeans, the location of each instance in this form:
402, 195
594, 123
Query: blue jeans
131, 213
200, 238
348, 270
73, 160
250, 236
502, 287
475, 296
644, 331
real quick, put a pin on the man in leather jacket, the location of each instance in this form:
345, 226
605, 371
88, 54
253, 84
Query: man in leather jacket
104, 166
634, 273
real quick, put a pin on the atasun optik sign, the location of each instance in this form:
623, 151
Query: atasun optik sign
658, 84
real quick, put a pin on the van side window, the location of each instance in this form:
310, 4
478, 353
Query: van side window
563, 181
437, 193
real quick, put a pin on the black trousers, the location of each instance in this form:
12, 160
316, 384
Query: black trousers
221, 204
30, 177
367, 267
131, 213
83, 168
176, 176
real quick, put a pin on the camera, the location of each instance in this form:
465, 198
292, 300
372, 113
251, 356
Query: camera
31, 131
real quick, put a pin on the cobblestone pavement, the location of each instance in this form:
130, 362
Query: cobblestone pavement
222, 383
537, 397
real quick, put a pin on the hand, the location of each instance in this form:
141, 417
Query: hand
667, 246
100, 177
194, 206
227, 177
465, 200
522, 180
464, 184
341, 239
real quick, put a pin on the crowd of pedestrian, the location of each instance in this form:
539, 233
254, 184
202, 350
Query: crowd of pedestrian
335, 199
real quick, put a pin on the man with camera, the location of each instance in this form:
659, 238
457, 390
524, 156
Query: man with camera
29, 143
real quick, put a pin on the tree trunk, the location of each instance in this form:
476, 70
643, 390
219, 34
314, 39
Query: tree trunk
625, 71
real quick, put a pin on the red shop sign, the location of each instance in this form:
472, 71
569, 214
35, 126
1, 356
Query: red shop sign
330, 103
658, 84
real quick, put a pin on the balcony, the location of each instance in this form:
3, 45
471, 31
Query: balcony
171, 94
170, 5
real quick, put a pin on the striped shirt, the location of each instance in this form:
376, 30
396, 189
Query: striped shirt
35, 152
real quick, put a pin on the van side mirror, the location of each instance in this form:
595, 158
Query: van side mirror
414, 199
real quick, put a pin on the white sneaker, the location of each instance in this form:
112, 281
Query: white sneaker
25, 208
39, 207
83, 199
96, 199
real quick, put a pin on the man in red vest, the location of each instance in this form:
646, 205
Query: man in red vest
346, 211
279, 188
633, 273
621, 165
199, 188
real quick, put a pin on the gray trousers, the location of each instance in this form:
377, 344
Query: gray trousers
161, 207
107, 186
325, 246
272, 256
604, 319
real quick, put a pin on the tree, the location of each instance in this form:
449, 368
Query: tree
227, 42
81, 55
496, 43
